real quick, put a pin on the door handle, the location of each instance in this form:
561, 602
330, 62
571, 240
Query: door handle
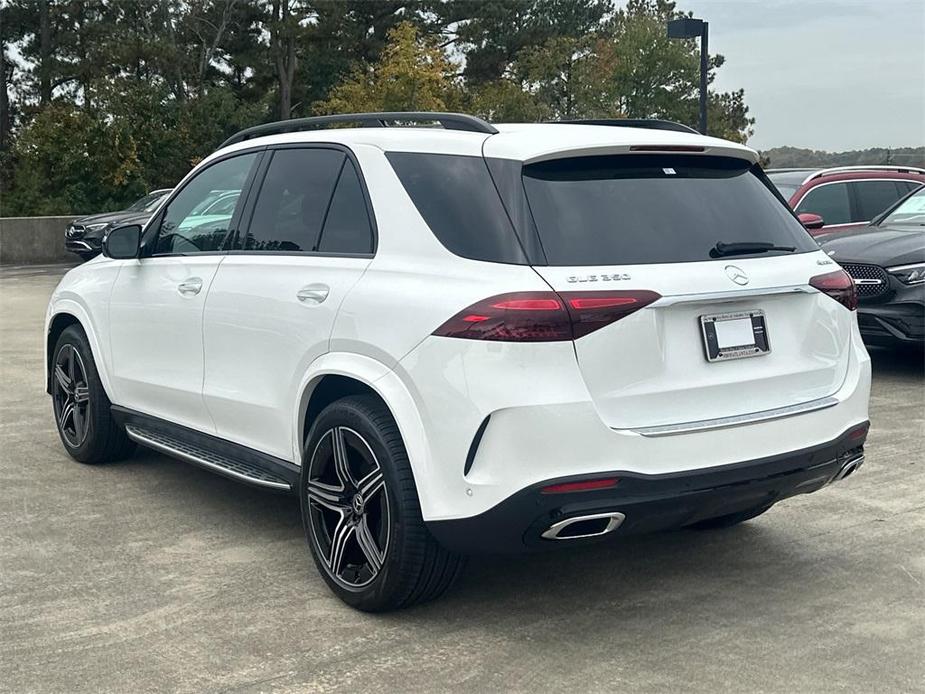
313, 293
190, 287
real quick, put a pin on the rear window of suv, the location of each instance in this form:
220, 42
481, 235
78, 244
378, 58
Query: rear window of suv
640, 209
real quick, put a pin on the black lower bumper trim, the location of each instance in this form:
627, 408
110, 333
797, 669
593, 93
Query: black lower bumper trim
650, 502
892, 323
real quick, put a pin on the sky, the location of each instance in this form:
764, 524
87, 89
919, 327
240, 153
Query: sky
823, 74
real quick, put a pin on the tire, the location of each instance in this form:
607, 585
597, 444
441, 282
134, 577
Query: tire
82, 411
384, 558
729, 520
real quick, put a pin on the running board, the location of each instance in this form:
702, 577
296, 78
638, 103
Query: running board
197, 455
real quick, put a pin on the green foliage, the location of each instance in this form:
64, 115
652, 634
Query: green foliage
413, 74
135, 138
103, 100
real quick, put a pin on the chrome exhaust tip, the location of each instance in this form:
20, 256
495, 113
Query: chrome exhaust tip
849, 467
578, 527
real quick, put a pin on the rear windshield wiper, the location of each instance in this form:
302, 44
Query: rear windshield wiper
745, 247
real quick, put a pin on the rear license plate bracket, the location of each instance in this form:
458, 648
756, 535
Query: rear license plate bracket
734, 335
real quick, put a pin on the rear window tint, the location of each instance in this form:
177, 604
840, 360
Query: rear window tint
457, 198
639, 209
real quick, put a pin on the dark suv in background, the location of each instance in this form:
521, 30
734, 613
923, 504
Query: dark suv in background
887, 262
846, 197
84, 235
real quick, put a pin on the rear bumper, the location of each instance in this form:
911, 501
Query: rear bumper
494, 428
645, 503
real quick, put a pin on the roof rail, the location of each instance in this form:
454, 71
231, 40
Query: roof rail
649, 123
898, 168
450, 121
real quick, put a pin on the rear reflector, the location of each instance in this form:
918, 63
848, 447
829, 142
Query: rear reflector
839, 286
585, 486
543, 316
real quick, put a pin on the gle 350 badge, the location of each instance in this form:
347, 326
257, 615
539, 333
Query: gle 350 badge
614, 277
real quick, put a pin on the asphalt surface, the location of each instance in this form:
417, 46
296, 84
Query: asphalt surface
152, 575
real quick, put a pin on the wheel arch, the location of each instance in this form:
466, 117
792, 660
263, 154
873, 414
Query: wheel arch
64, 315
336, 375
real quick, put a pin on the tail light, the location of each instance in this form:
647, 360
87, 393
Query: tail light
543, 316
839, 286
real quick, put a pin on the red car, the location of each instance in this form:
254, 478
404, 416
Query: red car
846, 197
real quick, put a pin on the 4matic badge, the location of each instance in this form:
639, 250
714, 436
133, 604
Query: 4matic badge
612, 277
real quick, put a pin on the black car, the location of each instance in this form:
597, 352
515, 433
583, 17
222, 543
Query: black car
84, 236
887, 261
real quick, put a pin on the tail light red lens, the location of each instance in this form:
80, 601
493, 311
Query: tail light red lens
839, 286
543, 316
590, 311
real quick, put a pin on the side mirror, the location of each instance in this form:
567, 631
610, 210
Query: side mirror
122, 242
811, 221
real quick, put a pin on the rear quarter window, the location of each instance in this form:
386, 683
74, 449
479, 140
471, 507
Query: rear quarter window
457, 198
641, 209
873, 197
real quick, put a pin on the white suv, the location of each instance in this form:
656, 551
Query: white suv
470, 338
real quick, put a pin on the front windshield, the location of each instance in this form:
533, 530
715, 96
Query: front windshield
148, 202
911, 212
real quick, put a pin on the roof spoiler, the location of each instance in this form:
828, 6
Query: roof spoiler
648, 123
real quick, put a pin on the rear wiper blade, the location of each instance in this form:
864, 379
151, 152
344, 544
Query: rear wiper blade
745, 247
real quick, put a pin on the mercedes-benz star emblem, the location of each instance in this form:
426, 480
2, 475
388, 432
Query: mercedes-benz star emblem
737, 275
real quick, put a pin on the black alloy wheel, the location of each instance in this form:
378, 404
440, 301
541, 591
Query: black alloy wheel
361, 511
82, 410
71, 394
348, 507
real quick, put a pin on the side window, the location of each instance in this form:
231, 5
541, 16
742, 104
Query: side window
873, 197
293, 200
457, 199
187, 226
830, 201
347, 228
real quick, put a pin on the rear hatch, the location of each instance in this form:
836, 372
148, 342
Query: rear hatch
735, 331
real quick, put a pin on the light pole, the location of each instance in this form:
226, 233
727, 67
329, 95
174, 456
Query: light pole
689, 28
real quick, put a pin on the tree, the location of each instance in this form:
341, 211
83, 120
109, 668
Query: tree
284, 27
657, 77
413, 74
102, 99
497, 31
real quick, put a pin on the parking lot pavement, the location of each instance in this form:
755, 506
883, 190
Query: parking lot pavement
152, 575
